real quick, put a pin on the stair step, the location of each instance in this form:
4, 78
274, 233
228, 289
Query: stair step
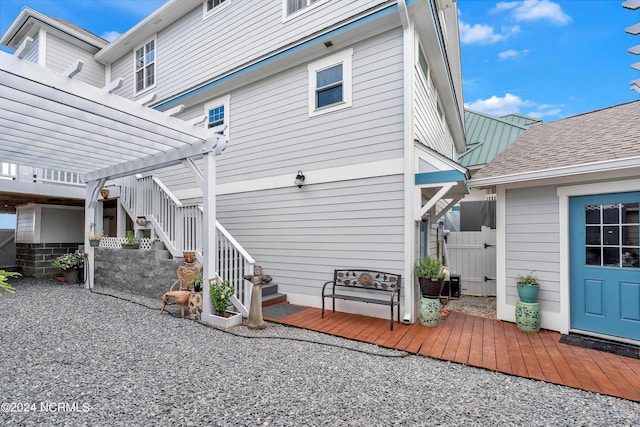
273, 299
269, 289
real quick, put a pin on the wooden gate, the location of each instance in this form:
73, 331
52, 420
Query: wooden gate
472, 255
7, 248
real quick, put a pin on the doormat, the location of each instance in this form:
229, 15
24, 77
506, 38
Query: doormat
620, 349
280, 310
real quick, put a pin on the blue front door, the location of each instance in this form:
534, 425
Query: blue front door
605, 273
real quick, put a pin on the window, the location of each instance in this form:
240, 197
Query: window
212, 6
330, 83
295, 5
612, 237
145, 66
217, 112
423, 63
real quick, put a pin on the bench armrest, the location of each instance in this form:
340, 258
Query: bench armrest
325, 285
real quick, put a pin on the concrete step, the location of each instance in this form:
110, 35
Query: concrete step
270, 295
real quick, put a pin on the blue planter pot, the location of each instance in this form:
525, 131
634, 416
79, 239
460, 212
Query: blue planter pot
528, 293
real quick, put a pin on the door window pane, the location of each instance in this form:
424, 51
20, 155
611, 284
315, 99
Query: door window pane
592, 214
612, 235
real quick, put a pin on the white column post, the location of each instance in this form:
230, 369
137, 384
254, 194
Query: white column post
90, 201
121, 223
209, 232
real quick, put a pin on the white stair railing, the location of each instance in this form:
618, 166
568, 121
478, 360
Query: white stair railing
180, 227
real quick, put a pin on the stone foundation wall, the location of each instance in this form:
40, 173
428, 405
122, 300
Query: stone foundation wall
146, 273
34, 259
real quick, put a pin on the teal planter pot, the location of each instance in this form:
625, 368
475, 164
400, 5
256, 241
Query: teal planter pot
528, 293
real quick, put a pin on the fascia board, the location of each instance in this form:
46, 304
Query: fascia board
605, 166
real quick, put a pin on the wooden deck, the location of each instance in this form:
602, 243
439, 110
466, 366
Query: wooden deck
490, 344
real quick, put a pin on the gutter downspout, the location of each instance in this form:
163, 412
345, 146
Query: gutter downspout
408, 36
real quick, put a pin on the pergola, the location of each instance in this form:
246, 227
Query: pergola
50, 120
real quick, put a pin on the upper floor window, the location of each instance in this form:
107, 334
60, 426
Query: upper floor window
217, 112
212, 6
330, 83
145, 66
295, 5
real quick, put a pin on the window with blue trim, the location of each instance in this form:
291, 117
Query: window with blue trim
217, 112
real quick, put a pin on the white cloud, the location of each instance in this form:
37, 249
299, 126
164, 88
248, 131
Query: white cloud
484, 34
531, 10
110, 36
546, 110
511, 53
499, 106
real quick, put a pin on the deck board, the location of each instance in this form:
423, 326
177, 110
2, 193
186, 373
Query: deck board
490, 344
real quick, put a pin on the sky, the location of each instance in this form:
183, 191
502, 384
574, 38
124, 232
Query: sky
548, 59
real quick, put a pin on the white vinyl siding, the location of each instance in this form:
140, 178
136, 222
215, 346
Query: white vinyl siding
430, 128
186, 43
62, 54
31, 54
122, 69
532, 242
272, 131
301, 235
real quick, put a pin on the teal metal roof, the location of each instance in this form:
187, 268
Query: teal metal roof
487, 136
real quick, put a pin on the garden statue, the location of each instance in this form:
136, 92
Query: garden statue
255, 320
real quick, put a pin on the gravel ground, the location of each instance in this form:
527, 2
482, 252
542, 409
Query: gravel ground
72, 357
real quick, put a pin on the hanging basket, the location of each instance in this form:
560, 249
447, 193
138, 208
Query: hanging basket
104, 193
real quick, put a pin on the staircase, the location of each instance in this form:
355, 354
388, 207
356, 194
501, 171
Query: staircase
180, 228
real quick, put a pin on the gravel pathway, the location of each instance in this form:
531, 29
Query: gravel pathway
72, 357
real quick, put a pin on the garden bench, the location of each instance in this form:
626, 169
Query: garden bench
346, 283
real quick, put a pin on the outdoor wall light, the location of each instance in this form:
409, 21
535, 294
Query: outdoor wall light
299, 179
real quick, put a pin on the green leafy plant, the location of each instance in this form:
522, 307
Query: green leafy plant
430, 268
196, 281
527, 280
68, 261
220, 294
4, 284
131, 238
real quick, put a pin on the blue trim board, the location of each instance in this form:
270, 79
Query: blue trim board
440, 176
281, 55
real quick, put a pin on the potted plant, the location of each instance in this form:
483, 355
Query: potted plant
220, 294
4, 284
94, 240
132, 241
69, 264
528, 287
431, 276
196, 281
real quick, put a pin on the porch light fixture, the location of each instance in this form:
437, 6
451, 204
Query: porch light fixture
299, 179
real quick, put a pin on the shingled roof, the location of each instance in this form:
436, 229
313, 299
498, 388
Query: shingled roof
609, 134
